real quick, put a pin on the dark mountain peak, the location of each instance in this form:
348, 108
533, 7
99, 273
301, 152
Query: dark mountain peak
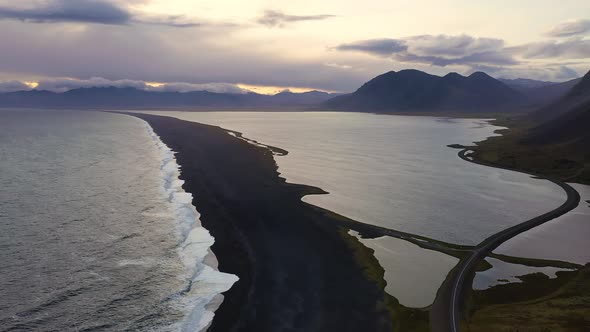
480, 75
409, 71
454, 78
582, 88
415, 90
285, 92
453, 75
577, 95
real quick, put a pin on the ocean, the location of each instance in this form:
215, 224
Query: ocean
96, 232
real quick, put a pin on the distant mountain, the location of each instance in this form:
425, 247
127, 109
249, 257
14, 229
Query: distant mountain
525, 84
413, 90
131, 98
540, 92
567, 120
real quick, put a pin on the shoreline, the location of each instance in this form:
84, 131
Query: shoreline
188, 220
289, 257
451, 294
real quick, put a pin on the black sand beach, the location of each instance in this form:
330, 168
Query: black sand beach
298, 270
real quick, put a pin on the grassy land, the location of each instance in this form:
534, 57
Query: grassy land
562, 161
537, 304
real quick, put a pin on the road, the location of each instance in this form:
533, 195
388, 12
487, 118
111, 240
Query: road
451, 294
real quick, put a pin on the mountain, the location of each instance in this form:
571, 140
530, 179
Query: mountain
131, 98
566, 121
577, 95
413, 90
524, 84
540, 92
552, 141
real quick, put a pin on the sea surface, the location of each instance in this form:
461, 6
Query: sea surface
397, 172
96, 233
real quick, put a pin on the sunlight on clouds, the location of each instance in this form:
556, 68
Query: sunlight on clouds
272, 90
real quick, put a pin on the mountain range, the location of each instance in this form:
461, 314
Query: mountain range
131, 98
540, 92
403, 91
413, 90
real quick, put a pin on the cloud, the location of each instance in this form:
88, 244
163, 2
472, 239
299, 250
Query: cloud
438, 50
570, 28
570, 49
272, 18
104, 12
452, 46
89, 11
379, 47
188, 87
338, 65
176, 21
12, 86
65, 84
552, 73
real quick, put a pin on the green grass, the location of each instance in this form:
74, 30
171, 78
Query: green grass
537, 304
561, 161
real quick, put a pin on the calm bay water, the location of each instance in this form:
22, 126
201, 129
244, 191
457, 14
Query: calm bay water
563, 239
95, 230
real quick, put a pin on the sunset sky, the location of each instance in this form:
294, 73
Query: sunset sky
266, 46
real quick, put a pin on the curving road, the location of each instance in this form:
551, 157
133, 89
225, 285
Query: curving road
451, 293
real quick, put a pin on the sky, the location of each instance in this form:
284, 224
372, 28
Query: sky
267, 46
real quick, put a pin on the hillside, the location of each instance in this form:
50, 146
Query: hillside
577, 95
551, 141
540, 93
413, 90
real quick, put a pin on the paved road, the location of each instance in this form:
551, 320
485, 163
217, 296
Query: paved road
451, 294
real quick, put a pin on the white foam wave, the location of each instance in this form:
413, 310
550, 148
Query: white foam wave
207, 282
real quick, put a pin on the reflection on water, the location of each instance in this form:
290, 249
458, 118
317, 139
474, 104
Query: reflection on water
413, 275
503, 272
564, 239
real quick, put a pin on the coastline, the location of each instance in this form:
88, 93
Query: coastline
194, 251
290, 257
451, 294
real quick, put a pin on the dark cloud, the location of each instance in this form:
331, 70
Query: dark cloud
88, 11
495, 58
272, 18
570, 28
438, 50
380, 47
176, 21
569, 49
452, 46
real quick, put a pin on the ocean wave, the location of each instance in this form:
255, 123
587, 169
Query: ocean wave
205, 282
